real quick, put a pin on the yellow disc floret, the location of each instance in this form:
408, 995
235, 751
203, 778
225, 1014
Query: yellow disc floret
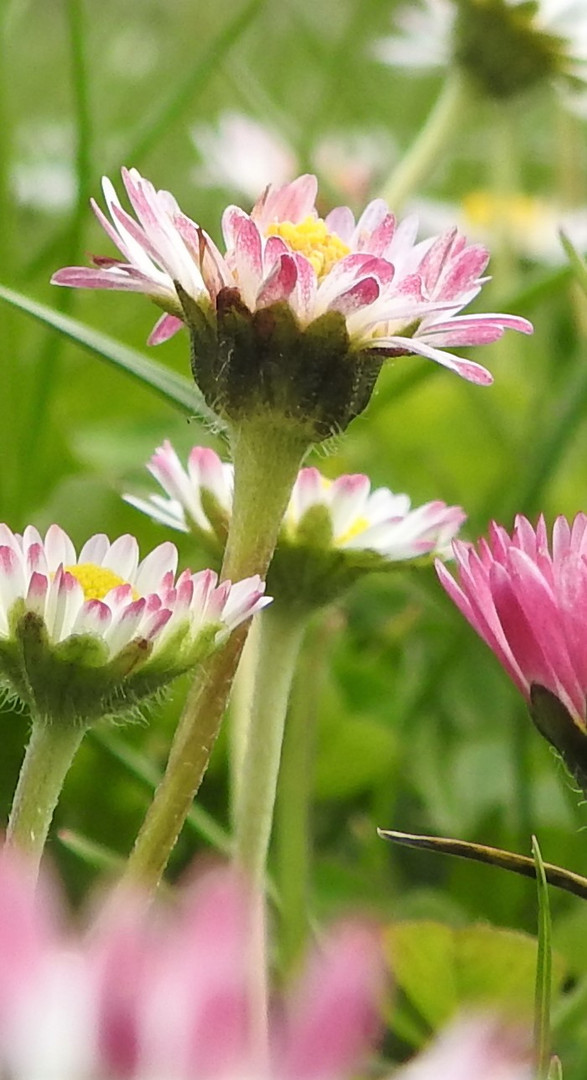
96, 581
311, 238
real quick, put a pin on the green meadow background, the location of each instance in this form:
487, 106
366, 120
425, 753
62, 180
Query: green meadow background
416, 726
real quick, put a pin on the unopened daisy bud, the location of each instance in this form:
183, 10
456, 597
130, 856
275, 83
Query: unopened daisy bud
95, 634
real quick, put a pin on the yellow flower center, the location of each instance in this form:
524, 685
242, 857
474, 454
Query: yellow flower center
312, 239
486, 209
358, 526
96, 581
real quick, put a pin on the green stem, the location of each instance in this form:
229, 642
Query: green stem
292, 818
279, 645
50, 752
240, 713
443, 122
266, 461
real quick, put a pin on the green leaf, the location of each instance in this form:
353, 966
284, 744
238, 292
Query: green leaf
173, 388
442, 969
543, 988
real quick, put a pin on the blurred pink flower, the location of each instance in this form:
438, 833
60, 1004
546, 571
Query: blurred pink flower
475, 1048
150, 994
397, 297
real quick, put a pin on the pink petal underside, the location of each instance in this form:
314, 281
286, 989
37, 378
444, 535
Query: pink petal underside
213, 267
359, 295
348, 496
432, 264
152, 570
571, 593
232, 220
375, 214
530, 642
155, 253
111, 231
499, 541
475, 601
341, 221
378, 240
579, 534
280, 283
121, 954
164, 329
293, 202
248, 254
204, 584
308, 490
58, 548
86, 277
303, 298
537, 598
463, 272
37, 593
468, 370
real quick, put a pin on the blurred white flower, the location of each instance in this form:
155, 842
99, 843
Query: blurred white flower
530, 223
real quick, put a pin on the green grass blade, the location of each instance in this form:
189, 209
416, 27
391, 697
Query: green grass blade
543, 994
175, 389
97, 856
149, 775
157, 122
578, 265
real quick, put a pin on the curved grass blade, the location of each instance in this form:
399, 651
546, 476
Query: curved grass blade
507, 860
176, 390
97, 856
578, 265
543, 994
148, 774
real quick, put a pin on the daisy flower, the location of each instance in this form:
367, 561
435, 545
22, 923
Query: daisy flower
332, 297
332, 531
526, 595
504, 45
82, 636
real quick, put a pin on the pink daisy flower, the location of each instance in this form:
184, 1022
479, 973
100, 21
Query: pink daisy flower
395, 295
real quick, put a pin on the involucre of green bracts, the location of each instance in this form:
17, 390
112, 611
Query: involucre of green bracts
250, 364
75, 682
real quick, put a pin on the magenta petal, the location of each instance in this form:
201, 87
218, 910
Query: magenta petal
164, 328
363, 293
280, 283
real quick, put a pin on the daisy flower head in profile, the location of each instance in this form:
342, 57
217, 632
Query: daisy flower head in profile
525, 594
88, 635
333, 531
504, 46
293, 320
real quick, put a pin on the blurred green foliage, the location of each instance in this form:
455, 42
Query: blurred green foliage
417, 726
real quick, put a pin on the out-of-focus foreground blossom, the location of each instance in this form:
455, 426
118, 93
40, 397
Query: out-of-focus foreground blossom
473, 1049
527, 598
152, 994
395, 296
504, 45
91, 632
199, 499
